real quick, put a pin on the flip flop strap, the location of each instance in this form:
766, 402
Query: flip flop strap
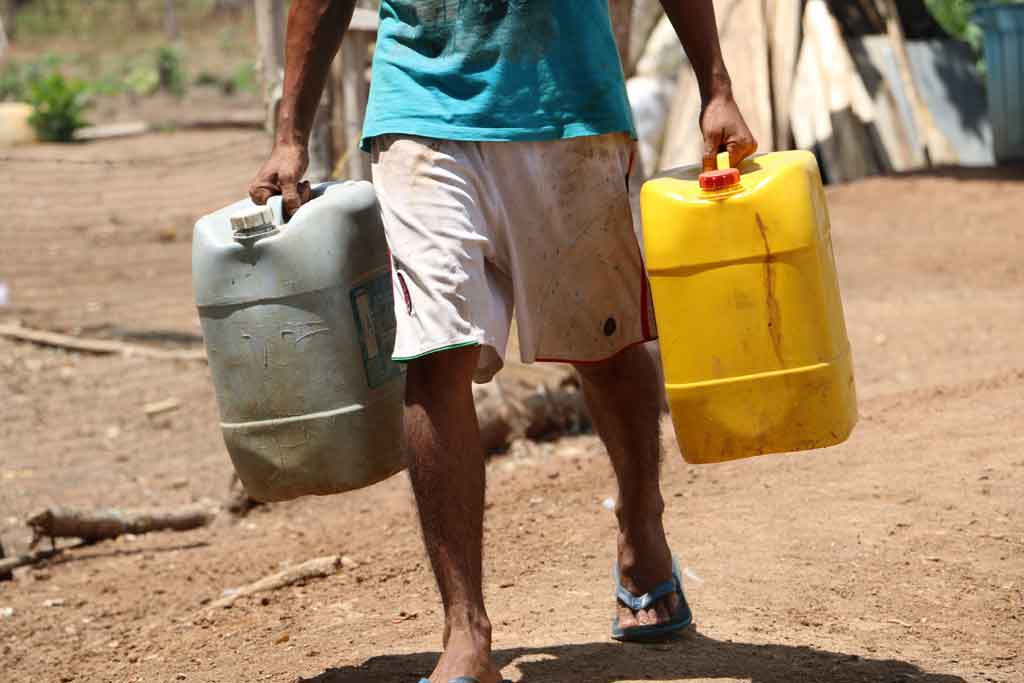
639, 602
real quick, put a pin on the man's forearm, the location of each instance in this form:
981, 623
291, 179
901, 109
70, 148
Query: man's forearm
694, 22
315, 28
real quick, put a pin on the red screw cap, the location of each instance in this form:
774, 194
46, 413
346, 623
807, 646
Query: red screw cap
719, 180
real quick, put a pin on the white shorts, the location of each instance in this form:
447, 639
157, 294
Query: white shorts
479, 229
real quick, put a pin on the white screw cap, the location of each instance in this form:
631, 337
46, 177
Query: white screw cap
252, 219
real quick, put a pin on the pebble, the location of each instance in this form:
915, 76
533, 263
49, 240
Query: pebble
6, 612
53, 602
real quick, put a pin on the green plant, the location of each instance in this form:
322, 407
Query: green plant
243, 80
58, 107
958, 19
170, 71
142, 80
15, 77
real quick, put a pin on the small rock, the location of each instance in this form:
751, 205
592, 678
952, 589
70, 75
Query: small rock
180, 677
53, 602
6, 612
880, 339
283, 638
179, 483
608, 504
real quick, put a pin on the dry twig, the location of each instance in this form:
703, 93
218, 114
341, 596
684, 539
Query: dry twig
311, 569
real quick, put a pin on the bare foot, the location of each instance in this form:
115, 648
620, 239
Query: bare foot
644, 562
466, 654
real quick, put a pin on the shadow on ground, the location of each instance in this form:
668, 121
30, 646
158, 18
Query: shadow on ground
692, 657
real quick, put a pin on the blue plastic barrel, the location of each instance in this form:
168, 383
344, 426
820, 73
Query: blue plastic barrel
1004, 57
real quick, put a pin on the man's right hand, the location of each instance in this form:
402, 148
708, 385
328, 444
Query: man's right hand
281, 175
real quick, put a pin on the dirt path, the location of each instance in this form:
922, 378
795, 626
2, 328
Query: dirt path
898, 556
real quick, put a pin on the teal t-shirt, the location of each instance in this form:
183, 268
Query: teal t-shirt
496, 70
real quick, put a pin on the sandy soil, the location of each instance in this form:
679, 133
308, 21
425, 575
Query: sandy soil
898, 556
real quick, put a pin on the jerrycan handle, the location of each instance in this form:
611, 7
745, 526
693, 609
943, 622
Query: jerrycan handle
716, 180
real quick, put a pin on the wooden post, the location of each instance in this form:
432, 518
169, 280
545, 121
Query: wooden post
321, 145
8, 9
3, 40
352, 90
270, 25
353, 86
6, 26
937, 148
270, 29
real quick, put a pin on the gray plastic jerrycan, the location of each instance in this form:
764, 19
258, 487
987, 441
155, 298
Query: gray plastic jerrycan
299, 328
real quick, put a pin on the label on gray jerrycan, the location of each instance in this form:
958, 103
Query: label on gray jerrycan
299, 326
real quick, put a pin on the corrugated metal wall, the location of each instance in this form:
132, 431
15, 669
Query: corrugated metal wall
1004, 57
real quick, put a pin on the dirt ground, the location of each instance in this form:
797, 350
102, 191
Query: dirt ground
898, 556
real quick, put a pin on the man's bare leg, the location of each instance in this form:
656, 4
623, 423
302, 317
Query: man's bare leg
446, 466
624, 398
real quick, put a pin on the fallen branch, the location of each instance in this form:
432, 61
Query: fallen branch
312, 569
161, 407
110, 131
98, 525
97, 346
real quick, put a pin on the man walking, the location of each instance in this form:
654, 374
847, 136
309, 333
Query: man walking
501, 143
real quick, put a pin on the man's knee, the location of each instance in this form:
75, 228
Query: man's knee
442, 373
630, 365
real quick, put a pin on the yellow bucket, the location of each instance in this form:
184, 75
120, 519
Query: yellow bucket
747, 303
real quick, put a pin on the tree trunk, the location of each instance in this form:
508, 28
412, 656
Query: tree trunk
8, 8
170, 20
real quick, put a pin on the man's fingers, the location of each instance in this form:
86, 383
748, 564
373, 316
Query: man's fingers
293, 195
261, 192
740, 150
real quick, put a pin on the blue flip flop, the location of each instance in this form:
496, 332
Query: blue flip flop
682, 618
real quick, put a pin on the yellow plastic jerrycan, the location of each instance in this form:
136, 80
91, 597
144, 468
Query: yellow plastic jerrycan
746, 298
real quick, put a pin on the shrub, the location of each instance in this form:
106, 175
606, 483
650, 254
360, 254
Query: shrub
58, 107
170, 71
